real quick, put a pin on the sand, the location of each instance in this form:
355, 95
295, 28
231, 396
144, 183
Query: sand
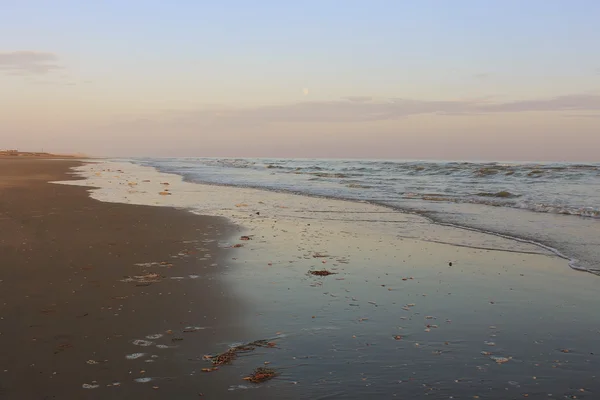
68, 320
412, 309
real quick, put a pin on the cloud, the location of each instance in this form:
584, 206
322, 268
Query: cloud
28, 62
358, 99
582, 116
574, 102
358, 110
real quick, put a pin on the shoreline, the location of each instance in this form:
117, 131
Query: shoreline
572, 262
573, 250
40, 156
367, 207
399, 316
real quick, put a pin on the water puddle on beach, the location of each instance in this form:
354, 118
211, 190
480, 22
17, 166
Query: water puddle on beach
367, 303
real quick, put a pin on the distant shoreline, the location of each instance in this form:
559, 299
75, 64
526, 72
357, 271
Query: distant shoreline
34, 154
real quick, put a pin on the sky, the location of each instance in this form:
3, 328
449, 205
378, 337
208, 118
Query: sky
397, 79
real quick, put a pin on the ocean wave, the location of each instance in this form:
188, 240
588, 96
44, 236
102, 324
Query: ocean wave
501, 199
559, 188
391, 169
440, 198
329, 174
486, 171
535, 173
433, 188
502, 194
589, 212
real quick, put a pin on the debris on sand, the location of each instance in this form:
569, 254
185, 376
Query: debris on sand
92, 385
225, 358
165, 193
142, 342
189, 329
322, 272
237, 245
320, 255
143, 279
233, 352
500, 360
246, 238
261, 374
62, 347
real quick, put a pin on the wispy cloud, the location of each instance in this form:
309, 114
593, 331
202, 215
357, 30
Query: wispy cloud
28, 62
574, 102
582, 116
358, 99
357, 109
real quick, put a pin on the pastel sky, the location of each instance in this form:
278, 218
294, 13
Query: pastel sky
460, 79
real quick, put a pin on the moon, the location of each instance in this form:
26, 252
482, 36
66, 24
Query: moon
305, 91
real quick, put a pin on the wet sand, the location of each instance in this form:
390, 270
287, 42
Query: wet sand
504, 320
66, 318
397, 321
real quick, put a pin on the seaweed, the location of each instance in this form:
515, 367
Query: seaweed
261, 374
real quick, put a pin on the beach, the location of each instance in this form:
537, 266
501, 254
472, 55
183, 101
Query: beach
67, 319
120, 281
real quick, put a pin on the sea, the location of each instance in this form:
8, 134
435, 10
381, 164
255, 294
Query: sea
554, 205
